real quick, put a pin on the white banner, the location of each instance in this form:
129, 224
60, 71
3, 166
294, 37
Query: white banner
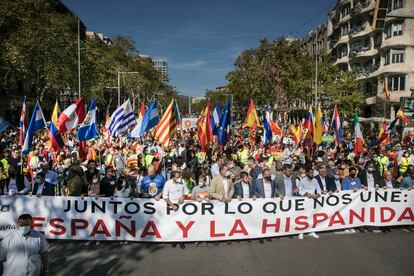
188, 123
152, 221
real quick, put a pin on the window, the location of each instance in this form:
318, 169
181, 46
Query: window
345, 9
377, 39
387, 57
343, 51
396, 83
344, 30
394, 29
397, 29
397, 56
394, 4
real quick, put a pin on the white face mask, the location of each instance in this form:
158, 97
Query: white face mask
24, 230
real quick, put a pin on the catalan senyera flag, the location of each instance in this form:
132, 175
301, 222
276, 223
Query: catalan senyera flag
317, 134
400, 115
56, 141
204, 132
296, 131
252, 120
167, 126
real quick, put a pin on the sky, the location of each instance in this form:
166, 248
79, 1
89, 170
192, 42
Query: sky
200, 39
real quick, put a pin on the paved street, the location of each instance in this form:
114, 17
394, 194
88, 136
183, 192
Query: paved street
332, 254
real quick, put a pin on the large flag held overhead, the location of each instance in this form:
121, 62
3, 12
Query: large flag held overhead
37, 122
88, 130
72, 116
359, 140
167, 126
122, 118
382, 130
137, 128
318, 130
150, 119
215, 119
252, 120
56, 141
336, 125
204, 132
267, 135
223, 130
22, 127
400, 115
386, 134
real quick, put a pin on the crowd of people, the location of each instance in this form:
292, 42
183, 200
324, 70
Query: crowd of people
142, 168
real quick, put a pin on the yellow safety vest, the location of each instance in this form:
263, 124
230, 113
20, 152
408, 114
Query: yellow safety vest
405, 161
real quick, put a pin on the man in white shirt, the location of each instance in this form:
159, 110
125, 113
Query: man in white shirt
17, 184
175, 191
24, 250
309, 187
215, 168
265, 187
221, 187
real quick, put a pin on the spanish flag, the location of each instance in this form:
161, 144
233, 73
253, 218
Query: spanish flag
56, 141
317, 135
167, 126
204, 133
400, 115
275, 128
251, 118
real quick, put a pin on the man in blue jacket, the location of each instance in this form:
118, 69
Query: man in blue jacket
351, 182
244, 188
152, 184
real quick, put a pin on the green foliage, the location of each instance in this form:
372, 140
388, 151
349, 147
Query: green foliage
282, 74
39, 58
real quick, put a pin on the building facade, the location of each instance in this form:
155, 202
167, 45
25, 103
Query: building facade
101, 36
315, 43
379, 56
162, 66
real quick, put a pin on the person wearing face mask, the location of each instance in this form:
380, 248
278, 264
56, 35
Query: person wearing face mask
387, 182
369, 176
175, 191
24, 250
202, 190
351, 182
337, 172
285, 183
42, 187
221, 186
265, 187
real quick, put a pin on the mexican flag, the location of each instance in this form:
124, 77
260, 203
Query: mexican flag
358, 135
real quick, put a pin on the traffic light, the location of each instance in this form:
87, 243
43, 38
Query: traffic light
380, 12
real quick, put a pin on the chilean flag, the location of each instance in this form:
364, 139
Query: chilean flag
336, 124
22, 128
72, 116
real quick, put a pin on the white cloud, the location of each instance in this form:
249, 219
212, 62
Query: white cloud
196, 64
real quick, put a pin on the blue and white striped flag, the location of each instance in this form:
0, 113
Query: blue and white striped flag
121, 119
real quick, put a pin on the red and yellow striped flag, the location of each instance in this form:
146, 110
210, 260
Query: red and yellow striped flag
167, 126
252, 120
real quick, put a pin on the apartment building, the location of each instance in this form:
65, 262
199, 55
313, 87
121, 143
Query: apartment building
380, 57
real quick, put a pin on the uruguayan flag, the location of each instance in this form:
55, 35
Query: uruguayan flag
150, 119
37, 122
121, 119
88, 129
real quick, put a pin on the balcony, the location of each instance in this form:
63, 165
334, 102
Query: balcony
355, 30
359, 7
356, 52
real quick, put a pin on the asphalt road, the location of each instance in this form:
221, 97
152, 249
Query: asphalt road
366, 253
